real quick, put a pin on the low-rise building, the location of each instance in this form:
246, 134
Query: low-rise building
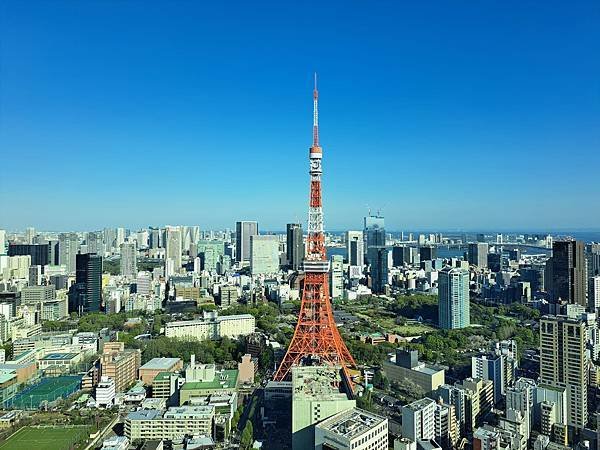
58, 363
105, 393
157, 365
404, 365
212, 327
174, 423
354, 429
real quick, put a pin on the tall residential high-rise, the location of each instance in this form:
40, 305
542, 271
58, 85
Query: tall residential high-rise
129, 260
418, 420
478, 254
355, 245
119, 236
29, 235
594, 293
378, 259
94, 242
264, 254
568, 272
592, 255
155, 238
243, 231
453, 298
68, 246
374, 233
564, 363
295, 246
2, 242
173, 247
86, 294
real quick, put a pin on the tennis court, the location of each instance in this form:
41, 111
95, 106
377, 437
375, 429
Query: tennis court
46, 438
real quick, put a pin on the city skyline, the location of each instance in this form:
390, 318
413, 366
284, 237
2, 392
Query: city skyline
145, 132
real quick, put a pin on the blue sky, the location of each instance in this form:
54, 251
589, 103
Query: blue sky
446, 115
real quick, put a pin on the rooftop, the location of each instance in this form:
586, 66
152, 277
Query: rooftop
419, 404
59, 356
225, 379
184, 412
160, 363
209, 320
352, 423
145, 414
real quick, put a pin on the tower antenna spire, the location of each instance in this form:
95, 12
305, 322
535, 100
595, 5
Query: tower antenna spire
315, 114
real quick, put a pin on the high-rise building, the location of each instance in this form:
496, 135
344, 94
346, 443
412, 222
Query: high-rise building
491, 367
594, 293
68, 245
378, 259
427, 252
336, 277
155, 238
418, 420
453, 298
564, 363
2, 242
374, 233
86, 294
94, 242
129, 260
119, 236
478, 254
173, 247
243, 231
355, 245
40, 253
29, 235
295, 246
568, 272
264, 254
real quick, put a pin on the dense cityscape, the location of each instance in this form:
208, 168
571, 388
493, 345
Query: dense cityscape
177, 272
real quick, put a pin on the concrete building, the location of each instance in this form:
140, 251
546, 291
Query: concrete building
173, 248
404, 365
205, 379
594, 293
453, 295
355, 247
336, 277
354, 429
243, 231
68, 245
564, 363
228, 295
177, 421
264, 254
148, 371
129, 260
105, 393
294, 246
478, 254
246, 369
566, 280
491, 367
418, 420
119, 364
317, 394
212, 327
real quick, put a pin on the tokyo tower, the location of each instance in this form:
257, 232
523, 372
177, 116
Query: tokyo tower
316, 338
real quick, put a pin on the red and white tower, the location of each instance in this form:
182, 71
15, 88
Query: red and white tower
316, 337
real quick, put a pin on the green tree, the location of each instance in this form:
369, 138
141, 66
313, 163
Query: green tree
247, 438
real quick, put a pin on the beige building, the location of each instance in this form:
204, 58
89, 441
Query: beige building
212, 327
246, 370
404, 365
564, 363
175, 422
157, 365
119, 364
354, 429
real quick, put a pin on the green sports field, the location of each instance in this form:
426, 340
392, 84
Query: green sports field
45, 438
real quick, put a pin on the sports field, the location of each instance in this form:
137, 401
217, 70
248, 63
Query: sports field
46, 438
47, 389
